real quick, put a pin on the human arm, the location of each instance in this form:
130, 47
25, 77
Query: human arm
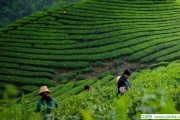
127, 85
55, 103
38, 106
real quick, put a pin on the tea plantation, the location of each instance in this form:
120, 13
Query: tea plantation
75, 36
153, 91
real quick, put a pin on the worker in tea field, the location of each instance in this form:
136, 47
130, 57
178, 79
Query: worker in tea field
46, 104
88, 88
123, 83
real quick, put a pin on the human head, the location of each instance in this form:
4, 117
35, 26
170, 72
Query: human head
87, 87
44, 94
127, 73
44, 91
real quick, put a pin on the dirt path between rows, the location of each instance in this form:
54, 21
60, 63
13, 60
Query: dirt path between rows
106, 66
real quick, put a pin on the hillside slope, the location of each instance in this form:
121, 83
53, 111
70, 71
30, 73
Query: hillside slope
153, 91
25, 8
73, 37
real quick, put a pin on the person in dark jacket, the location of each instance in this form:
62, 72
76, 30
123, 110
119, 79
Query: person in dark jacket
123, 83
87, 88
46, 104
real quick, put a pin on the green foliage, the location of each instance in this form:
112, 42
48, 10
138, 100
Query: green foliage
176, 98
121, 107
116, 63
26, 81
85, 70
64, 80
86, 115
10, 92
153, 92
25, 8
158, 65
105, 73
13, 110
83, 34
28, 89
80, 77
98, 64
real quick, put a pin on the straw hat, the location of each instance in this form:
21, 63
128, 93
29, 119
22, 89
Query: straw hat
43, 89
117, 78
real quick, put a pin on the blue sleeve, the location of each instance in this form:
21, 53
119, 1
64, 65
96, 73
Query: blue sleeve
128, 85
38, 106
55, 103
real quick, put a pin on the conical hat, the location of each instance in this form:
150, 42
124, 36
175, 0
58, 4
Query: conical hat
43, 89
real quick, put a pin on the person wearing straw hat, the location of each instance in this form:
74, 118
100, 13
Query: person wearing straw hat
46, 101
123, 83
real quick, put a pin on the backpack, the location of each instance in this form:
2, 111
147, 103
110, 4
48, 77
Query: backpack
117, 79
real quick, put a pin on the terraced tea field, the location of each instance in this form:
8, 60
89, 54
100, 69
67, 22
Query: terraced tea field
153, 91
75, 36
